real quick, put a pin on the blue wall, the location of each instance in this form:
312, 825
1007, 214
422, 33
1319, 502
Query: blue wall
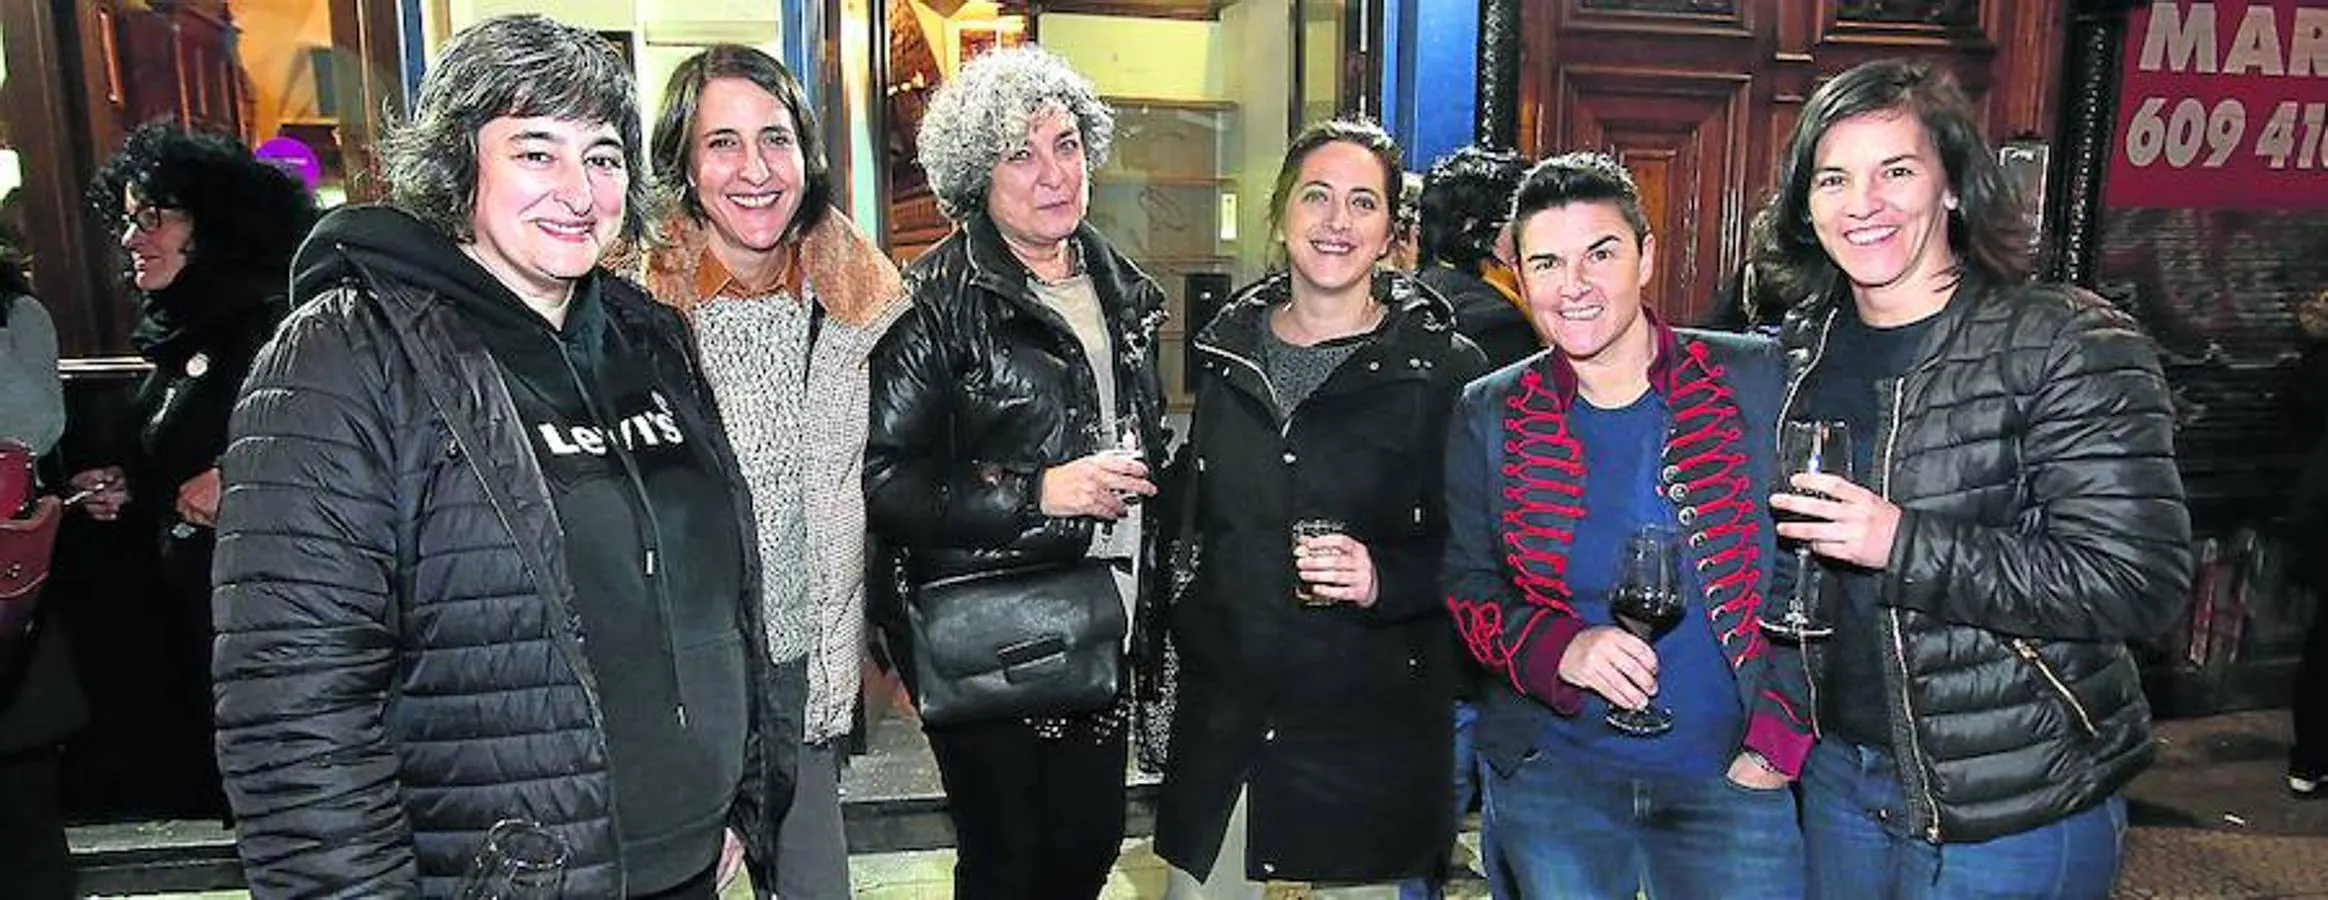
1430, 75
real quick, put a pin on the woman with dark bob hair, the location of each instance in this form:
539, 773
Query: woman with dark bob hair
485, 556
207, 233
1013, 412
2016, 518
786, 299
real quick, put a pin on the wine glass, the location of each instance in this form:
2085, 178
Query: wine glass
1648, 604
519, 860
1803, 447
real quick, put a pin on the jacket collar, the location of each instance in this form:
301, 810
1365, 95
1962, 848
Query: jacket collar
1412, 310
1133, 314
848, 275
1664, 364
1807, 324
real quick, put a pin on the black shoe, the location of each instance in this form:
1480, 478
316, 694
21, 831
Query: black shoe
2307, 785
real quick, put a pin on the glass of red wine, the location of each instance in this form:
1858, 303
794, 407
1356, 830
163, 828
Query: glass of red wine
1648, 604
1805, 447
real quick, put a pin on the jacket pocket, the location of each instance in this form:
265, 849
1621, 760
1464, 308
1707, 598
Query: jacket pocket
2054, 683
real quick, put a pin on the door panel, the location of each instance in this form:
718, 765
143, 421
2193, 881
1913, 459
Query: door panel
1696, 95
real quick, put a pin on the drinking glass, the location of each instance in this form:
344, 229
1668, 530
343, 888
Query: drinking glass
519, 860
1804, 447
1127, 446
1304, 593
1648, 604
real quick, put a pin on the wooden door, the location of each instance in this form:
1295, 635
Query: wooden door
1695, 95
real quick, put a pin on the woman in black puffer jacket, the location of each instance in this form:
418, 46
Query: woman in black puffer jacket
2017, 520
484, 549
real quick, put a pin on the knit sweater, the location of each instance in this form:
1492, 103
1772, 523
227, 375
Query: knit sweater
800, 436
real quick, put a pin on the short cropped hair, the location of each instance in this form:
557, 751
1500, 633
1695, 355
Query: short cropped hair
1580, 178
519, 66
248, 215
983, 113
1467, 198
1988, 232
673, 144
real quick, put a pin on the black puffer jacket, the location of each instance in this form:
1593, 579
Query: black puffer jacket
978, 389
1336, 720
2031, 449
399, 660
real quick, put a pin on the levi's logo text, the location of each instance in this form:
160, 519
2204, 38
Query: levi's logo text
646, 428
574, 448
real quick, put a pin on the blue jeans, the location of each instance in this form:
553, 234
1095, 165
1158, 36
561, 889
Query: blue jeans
1855, 835
1467, 771
1564, 828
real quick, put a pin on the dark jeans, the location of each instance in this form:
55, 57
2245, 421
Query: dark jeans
1033, 819
1568, 829
1854, 824
34, 861
2309, 704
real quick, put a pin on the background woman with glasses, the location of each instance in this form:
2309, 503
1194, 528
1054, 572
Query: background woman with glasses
207, 233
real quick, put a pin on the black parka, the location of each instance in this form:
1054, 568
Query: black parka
2030, 447
399, 661
1337, 720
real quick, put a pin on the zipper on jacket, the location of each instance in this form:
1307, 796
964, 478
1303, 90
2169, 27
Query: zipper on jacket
1923, 776
1778, 434
650, 531
2037, 661
1284, 428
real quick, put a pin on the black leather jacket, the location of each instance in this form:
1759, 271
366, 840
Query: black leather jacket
2031, 451
979, 388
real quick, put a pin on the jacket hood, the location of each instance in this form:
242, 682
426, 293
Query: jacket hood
391, 248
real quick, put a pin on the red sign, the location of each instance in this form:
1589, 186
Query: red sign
2223, 105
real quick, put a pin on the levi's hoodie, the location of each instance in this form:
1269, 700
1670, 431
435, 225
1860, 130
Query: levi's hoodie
650, 531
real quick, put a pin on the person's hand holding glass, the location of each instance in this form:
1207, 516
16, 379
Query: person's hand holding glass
1618, 661
1103, 485
1805, 448
1330, 566
1823, 509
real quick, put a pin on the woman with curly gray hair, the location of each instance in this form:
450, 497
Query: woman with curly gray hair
1014, 409
484, 555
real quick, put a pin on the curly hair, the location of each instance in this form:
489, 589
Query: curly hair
1364, 133
1467, 198
984, 111
1989, 232
673, 144
247, 214
517, 66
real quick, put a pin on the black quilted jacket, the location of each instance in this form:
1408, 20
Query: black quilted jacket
2031, 449
399, 663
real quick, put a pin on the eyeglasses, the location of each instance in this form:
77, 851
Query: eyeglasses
149, 219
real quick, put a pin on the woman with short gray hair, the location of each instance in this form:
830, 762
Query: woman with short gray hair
484, 555
1015, 413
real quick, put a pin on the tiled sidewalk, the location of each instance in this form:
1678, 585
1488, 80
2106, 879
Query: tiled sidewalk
2212, 821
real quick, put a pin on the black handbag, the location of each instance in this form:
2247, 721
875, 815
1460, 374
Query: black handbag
1042, 640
